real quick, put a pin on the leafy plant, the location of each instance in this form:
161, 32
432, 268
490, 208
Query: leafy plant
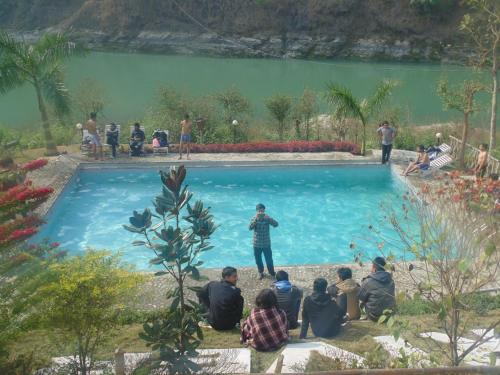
304, 110
176, 335
84, 301
345, 104
234, 107
449, 255
482, 27
280, 106
461, 98
40, 65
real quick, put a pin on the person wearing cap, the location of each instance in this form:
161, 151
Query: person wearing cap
262, 240
377, 291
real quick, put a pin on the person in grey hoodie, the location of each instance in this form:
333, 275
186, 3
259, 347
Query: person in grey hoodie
289, 298
377, 290
322, 312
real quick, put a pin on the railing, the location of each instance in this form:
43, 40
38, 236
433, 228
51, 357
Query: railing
471, 153
417, 371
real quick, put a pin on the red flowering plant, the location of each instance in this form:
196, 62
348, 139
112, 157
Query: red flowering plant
445, 235
21, 266
294, 146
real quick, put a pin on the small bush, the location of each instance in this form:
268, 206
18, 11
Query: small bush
481, 303
414, 306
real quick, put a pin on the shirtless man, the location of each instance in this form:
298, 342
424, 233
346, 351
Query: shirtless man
185, 135
482, 161
91, 127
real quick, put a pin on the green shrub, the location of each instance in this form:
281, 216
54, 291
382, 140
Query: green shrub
414, 306
481, 303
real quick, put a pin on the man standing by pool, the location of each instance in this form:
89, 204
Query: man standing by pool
91, 127
262, 240
387, 134
185, 135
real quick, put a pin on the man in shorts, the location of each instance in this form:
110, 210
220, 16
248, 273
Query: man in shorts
185, 135
91, 127
482, 161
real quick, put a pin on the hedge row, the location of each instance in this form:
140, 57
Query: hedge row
295, 146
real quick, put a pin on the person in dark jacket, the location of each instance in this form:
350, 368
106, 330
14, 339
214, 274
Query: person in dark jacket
112, 135
289, 298
322, 312
223, 300
377, 290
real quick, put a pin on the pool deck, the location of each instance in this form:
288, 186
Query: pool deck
61, 169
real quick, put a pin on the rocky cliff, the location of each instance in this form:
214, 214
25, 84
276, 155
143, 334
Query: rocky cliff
369, 29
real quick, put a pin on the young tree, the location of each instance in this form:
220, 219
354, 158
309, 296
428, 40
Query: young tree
460, 98
177, 249
345, 104
482, 26
40, 65
306, 108
85, 299
280, 106
89, 97
449, 244
234, 107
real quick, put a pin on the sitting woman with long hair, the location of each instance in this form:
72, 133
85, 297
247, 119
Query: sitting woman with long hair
266, 328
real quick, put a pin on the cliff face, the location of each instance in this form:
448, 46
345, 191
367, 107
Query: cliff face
384, 29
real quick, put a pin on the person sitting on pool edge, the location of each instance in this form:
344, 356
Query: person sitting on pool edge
346, 285
266, 329
223, 300
422, 162
289, 297
377, 291
322, 312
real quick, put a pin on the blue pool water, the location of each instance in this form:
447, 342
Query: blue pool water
320, 210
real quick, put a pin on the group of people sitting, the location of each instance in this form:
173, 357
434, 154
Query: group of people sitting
277, 308
137, 139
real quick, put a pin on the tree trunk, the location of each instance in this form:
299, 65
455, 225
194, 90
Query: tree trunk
465, 131
307, 130
363, 147
493, 119
50, 145
297, 130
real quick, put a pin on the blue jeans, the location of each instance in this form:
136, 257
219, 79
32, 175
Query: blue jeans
268, 254
386, 153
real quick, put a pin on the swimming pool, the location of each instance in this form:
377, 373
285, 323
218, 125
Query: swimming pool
320, 210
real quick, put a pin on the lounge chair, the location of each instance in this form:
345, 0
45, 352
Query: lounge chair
86, 146
164, 149
437, 164
435, 152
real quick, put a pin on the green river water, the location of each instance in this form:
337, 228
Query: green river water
131, 81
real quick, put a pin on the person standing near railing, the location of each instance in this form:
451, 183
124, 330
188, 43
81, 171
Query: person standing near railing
482, 161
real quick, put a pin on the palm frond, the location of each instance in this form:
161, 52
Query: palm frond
344, 102
54, 90
52, 48
11, 48
380, 96
10, 76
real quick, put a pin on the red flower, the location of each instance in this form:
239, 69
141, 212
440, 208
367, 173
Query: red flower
35, 164
266, 146
54, 244
22, 234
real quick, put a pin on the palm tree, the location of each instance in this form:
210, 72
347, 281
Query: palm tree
40, 65
347, 105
